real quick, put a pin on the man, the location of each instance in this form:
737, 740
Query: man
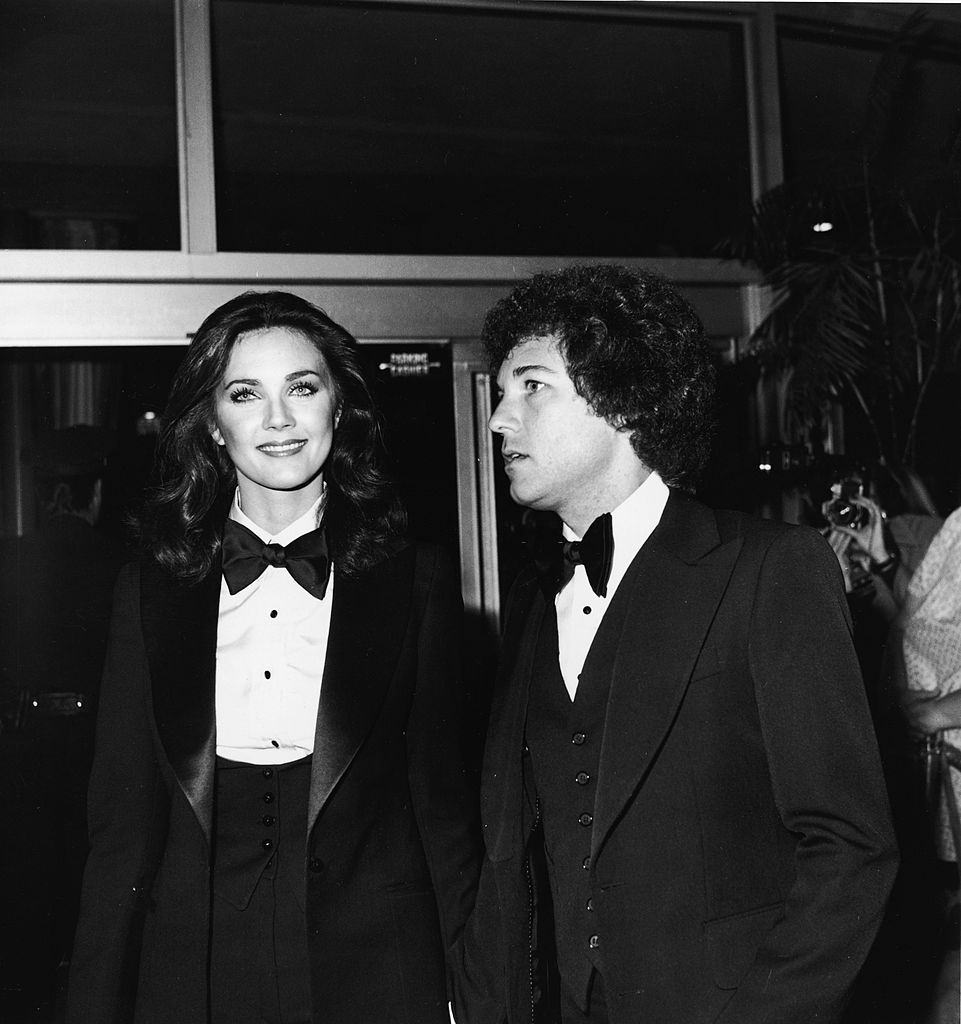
679, 736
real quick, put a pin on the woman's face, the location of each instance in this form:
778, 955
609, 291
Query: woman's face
274, 414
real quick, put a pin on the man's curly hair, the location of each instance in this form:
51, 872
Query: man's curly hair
634, 349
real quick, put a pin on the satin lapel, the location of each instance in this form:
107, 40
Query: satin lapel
180, 634
502, 789
368, 622
675, 586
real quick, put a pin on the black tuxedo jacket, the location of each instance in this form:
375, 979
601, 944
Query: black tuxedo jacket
741, 848
393, 844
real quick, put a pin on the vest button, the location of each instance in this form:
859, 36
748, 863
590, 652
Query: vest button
268, 820
590, 903
586, 819
316, 865
579, 739
594, 941
268, 773
267, 844
582, 778
268, 798
586, 863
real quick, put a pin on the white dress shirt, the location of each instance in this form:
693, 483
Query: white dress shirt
579, 609
271, 651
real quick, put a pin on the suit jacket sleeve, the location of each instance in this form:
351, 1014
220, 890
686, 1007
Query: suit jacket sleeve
127, 810
828, 788
443, 785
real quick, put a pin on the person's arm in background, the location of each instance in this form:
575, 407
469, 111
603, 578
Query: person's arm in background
927, 713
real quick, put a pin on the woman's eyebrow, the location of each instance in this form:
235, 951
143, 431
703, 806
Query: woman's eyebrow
254, 382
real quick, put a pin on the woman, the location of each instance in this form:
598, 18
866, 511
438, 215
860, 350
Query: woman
281, 824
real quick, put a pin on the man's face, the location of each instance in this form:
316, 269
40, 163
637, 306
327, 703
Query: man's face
559, 456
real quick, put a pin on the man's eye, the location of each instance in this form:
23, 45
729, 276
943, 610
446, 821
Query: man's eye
533, 385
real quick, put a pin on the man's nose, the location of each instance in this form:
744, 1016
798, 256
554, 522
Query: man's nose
502, 418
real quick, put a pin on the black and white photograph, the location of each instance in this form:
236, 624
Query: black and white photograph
480, 512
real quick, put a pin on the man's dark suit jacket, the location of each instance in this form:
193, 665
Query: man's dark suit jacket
741, 850
393, 845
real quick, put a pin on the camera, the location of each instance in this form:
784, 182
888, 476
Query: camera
841, 509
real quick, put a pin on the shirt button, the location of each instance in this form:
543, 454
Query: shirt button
268, 798
316, 865
582, 778
267, 674
587, 609
586, 819
579, 739
268, 820
594, 941
268, 773
268, 844
273, 614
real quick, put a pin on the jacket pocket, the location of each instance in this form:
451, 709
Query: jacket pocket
733, 941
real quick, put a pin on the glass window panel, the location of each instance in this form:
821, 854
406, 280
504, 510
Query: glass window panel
826, 79
88, 125
392, 129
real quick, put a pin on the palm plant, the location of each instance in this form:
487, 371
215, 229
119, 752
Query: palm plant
868, 314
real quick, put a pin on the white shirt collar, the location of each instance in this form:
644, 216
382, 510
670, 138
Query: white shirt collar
633, 521
310, 520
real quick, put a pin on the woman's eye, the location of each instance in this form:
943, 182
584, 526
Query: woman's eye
303, 387
242, 395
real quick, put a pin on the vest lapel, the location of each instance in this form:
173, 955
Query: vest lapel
180, 635
368, 623
674, 587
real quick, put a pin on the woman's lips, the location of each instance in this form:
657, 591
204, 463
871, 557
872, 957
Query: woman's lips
278, 448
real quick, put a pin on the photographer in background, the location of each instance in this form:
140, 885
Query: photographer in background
869, 561
879, 526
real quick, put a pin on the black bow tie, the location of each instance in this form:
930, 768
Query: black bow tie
595, 551
246, 556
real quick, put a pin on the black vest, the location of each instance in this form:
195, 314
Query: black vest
564, 739
261, 827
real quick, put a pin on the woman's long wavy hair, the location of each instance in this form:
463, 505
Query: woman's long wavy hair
183, 518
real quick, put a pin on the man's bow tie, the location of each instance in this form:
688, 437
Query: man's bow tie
246, 556
595, 552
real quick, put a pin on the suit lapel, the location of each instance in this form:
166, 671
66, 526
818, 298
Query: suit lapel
180, 634
674, 587
368, 623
